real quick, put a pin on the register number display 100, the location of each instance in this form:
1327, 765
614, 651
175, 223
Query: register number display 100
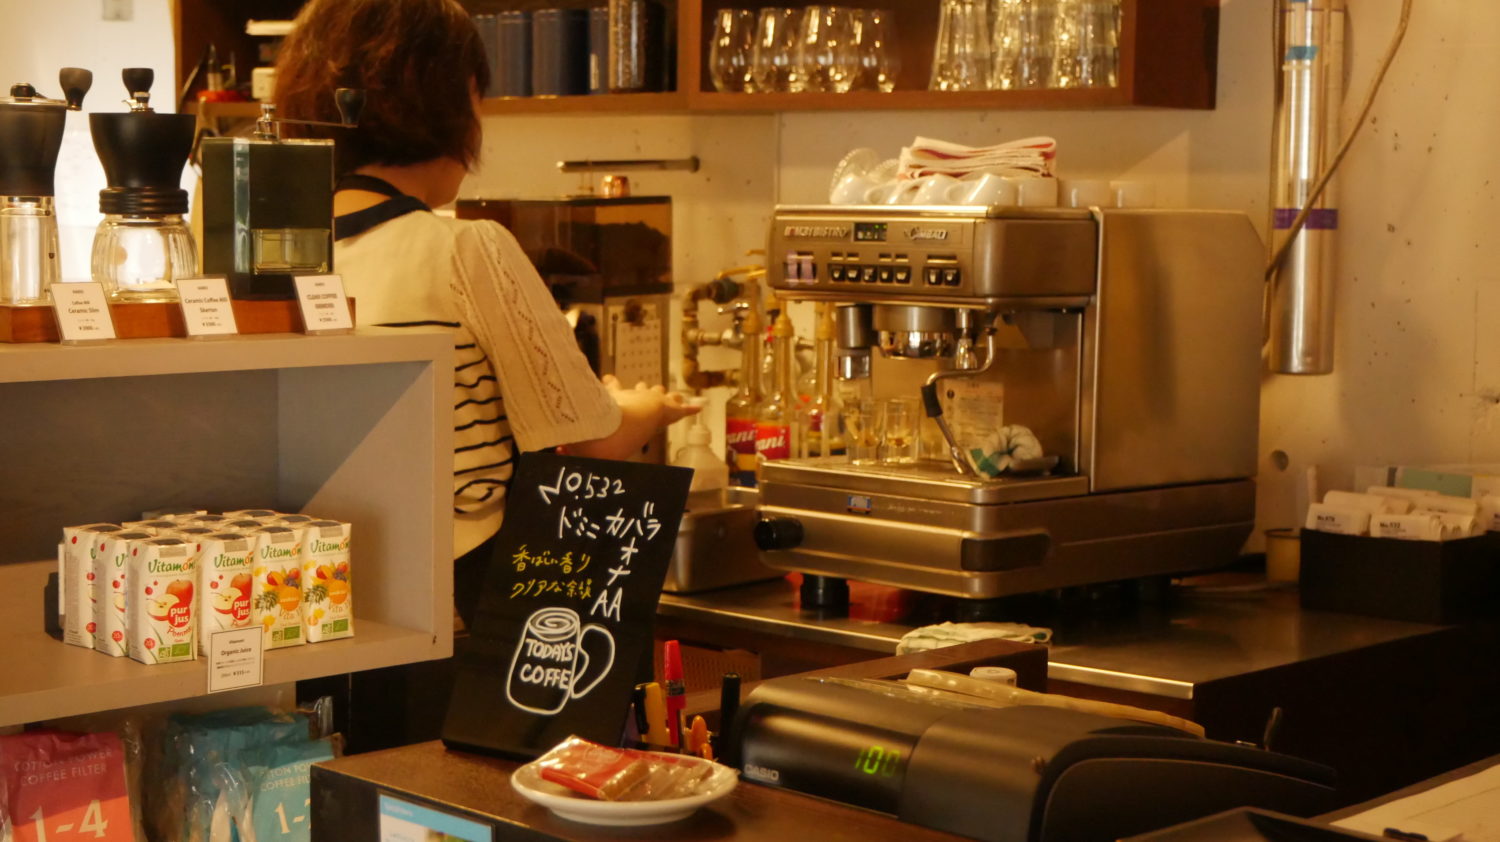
878, 760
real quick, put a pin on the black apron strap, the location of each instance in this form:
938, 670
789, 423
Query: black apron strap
399, 204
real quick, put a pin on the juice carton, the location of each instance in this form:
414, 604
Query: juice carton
159, 621
277, 601
243, 524
245, 513
191, 533
110, 586
75, 578
202, 519
327, 605
225, 584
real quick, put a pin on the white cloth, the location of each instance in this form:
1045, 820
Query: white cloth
520, 381
952, 634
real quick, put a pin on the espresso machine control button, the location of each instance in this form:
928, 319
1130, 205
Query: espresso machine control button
951, 277
835, 272
886, 275
933, 276
778, 533
867, 274
903, 274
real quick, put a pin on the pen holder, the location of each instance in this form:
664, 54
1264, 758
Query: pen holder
1419, 581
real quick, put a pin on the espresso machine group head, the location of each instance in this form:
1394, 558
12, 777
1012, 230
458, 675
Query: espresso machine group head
31, 132
1127, 342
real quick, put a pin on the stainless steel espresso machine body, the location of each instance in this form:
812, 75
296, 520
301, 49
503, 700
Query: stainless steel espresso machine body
1127, 341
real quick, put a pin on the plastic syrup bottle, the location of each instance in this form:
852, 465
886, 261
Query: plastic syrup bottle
710, 473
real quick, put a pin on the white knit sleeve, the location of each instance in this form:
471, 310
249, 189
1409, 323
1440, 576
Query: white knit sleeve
551, 395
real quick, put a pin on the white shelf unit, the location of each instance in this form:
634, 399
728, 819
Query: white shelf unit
357, 427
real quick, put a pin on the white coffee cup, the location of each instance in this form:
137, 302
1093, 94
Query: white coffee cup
1036, 192
933, 189
1087, 193
851, 189
891, 193
982, 189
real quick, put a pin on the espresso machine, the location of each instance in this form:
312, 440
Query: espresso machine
1126, 341
31, 132
143, 246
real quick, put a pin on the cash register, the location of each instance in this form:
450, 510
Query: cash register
1018, 773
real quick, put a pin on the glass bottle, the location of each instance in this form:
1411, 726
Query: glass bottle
743, 409
774, 429
818, 416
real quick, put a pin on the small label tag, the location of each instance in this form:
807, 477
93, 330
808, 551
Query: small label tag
206, 309
325, 309
82, 312
236, 658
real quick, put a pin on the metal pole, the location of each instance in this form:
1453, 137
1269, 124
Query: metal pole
1307, 137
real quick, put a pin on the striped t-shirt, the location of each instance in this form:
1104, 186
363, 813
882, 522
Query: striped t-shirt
531, 389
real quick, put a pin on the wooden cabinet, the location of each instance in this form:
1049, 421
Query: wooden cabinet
1168, 59
356, 427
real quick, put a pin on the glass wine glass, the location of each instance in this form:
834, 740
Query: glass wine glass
730, 51
879, 60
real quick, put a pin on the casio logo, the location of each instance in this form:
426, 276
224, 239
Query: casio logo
916, 234
761, 773
822, 232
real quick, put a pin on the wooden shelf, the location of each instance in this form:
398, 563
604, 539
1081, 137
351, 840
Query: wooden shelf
1168, 59
357, 427
673, 102
910, 101
46, 679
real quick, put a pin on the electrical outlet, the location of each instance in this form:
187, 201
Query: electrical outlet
119, 9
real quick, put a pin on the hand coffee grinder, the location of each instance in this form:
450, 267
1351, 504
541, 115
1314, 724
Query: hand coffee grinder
143, 246
268, 203
31, 132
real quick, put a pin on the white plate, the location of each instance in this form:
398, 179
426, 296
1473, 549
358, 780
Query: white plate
567, 804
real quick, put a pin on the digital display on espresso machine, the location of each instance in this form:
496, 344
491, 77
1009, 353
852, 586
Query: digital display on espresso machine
869, 232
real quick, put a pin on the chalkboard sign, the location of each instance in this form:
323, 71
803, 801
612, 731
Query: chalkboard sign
566, 615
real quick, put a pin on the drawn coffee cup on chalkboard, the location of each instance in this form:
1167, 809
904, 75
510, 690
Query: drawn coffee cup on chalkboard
550, 663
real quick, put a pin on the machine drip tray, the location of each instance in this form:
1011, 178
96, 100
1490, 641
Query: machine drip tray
929, 479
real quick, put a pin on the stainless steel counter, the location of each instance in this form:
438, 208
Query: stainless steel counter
1205, 636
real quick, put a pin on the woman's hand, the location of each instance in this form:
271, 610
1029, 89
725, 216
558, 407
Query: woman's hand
643, 411
671, 406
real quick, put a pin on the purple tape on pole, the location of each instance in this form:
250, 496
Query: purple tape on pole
1321, 219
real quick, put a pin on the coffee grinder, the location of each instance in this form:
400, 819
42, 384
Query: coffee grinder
143, 246
268, 203
31, 131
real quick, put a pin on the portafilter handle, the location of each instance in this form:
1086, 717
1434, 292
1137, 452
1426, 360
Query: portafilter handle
75, 83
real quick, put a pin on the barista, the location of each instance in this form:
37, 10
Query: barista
520, 382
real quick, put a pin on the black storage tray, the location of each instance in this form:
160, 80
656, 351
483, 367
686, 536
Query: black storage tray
1420, 581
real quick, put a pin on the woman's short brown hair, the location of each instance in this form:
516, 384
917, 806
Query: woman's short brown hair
419, 63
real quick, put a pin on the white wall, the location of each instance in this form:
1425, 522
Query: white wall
40, 37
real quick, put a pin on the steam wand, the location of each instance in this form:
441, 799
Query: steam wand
933, 404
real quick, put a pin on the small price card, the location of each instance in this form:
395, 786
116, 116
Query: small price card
236, 658
82, 312
325, 308
206, 309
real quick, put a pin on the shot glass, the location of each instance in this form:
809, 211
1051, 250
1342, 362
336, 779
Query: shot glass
898, 431
861, 431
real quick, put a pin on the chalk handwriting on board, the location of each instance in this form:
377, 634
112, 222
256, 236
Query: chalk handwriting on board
551, 660
563, 629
